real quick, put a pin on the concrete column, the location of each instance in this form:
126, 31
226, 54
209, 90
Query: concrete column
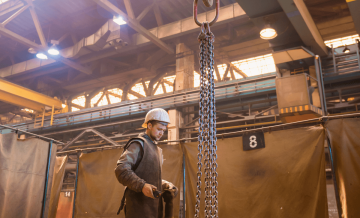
174, 134
184, 67
174, 125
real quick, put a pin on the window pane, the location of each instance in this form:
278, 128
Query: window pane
347, 40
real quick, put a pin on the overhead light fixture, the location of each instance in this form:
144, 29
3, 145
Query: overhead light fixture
53, 50
41, 56
268, 32
119, 20
346, 49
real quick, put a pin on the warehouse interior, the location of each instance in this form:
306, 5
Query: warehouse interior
78, 77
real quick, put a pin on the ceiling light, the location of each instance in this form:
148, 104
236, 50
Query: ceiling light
53, 50
346, 49
268, 32
119, 20
41, 56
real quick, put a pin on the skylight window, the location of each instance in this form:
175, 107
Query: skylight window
347, 40
3, 1
257, 65
251, 67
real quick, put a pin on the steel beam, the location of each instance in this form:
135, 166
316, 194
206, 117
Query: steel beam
144, 12
18, 38
37, 24
27, 42
158, 17
354, 7
14, 15
10, 6
186, 26
129, 9
86, 131
23, 97
304, 25
135, 25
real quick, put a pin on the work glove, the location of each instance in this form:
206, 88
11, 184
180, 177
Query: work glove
168, 186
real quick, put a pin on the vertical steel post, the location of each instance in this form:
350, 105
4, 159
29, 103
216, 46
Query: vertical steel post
184, 202
52, 115
46, 180
320, 87
357, 52
42, 118
337, 196
76, 181
334, 59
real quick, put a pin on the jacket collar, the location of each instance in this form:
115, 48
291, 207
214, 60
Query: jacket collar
147, 137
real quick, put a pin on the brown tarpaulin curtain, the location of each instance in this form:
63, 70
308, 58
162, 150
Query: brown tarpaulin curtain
98, 191
58, 176
284, 179
23, 165
344, 135
172, 170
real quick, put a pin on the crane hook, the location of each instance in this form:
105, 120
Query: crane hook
207, 3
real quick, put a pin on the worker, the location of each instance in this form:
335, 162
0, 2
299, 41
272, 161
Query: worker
139, 169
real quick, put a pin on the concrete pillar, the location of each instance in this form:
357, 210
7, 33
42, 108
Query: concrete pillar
185, 74
184, 67
174, 125
174, 134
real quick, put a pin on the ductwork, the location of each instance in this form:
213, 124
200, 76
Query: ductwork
354, 7
294, 25
270, 10
95, 42
302, 21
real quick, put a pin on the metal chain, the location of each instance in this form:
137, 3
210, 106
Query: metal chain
207, 126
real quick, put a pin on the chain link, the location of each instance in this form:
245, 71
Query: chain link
207, 126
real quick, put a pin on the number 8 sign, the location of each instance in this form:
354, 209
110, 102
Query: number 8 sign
253, 141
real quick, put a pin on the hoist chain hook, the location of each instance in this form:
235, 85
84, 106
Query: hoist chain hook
208, 3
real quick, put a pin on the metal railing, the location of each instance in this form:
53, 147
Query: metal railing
223, 90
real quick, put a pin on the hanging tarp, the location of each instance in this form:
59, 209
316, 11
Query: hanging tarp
98, 191
284, 179
57, 182
23, 167
344, 135
172, 170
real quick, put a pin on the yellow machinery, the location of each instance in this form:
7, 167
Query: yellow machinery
41, 104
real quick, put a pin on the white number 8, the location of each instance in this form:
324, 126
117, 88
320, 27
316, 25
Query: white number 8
253, 142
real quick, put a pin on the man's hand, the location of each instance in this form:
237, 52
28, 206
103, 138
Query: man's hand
170, 187
147, 190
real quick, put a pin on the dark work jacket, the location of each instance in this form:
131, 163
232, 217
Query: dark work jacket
149, 170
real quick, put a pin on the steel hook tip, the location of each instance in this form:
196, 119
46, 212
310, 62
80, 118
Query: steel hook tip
217, 9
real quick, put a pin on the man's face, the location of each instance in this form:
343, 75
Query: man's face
156, 131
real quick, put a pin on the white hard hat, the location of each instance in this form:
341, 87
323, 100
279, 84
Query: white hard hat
158, 114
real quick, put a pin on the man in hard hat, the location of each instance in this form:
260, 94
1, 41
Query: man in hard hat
139, 168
